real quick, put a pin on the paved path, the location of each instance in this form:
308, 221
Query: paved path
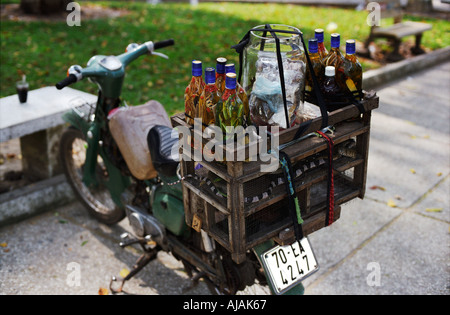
395, 241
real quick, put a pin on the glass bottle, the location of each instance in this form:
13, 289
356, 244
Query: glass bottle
336, 59
230, 68
230, 110
220, 74
330, 87
208, 99
323, 52
317, 65
352, 68
193, 92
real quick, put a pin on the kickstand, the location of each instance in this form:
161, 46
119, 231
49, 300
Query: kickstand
140, 263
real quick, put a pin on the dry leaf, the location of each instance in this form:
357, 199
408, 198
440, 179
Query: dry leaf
433, 209
378, 187
103, 291
124, 272
439, 174
391, 203
413, 171
4, 244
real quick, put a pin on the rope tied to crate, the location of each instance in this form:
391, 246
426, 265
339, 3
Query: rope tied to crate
294, 207
330, 181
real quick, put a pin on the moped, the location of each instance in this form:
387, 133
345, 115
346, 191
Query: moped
151, 197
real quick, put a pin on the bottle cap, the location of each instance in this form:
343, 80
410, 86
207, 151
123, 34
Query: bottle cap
330, 71
335, 40
196, 68
350, 46
210, 75
230, 81
313, 46
221, 61
319, 35
230, 68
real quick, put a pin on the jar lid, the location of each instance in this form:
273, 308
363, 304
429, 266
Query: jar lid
319, 35
221, 61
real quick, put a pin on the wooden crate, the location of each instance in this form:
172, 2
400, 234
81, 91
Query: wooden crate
238, 225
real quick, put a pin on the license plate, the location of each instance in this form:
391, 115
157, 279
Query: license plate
288, 265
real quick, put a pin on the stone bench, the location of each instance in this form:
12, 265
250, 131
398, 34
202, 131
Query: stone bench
38, 124
397, 31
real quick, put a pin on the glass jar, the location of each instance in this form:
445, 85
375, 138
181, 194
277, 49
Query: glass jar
261, 76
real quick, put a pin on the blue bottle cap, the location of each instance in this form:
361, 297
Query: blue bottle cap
210, 75
350, 46
221, 64
197, 68
319, 35
230, 81
313, 46
230, 68
335, 40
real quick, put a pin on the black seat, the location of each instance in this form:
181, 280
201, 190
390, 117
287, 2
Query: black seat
161, 140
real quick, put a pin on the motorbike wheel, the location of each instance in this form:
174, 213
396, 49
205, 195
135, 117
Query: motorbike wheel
96, 200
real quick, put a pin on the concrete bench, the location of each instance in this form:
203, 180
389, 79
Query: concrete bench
38, 124
397, 31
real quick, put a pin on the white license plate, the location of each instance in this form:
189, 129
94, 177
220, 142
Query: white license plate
287, 265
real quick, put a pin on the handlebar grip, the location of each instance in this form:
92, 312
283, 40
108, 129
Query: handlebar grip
71, 78
164, 43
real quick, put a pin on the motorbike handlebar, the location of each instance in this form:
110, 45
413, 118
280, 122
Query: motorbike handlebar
164, 43
71, 78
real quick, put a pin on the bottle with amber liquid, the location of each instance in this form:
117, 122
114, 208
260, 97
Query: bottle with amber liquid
323, 52
317, 65
220, 74
208, 99
336, 59
193, 92
352, 68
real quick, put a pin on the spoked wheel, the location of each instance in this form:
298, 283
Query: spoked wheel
97, 200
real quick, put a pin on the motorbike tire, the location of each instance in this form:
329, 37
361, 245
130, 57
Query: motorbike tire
97, 201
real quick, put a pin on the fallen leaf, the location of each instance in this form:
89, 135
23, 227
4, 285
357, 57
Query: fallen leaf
124, 272
103, 291
4, 244
439, 174
84, 243
378, 187
391, 203
433, 209
413, 171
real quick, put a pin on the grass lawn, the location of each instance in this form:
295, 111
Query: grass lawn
44, 50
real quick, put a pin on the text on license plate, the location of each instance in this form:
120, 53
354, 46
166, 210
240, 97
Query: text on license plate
287, 265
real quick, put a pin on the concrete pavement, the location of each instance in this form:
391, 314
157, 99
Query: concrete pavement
395, 241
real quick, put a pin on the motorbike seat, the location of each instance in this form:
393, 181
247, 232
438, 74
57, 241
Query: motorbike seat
163, 145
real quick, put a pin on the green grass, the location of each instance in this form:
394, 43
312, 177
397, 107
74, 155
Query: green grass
44, 50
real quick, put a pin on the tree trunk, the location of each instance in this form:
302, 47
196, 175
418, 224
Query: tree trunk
43, 6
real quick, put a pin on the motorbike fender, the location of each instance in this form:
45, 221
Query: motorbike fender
169, 210
77, 120
262, 248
